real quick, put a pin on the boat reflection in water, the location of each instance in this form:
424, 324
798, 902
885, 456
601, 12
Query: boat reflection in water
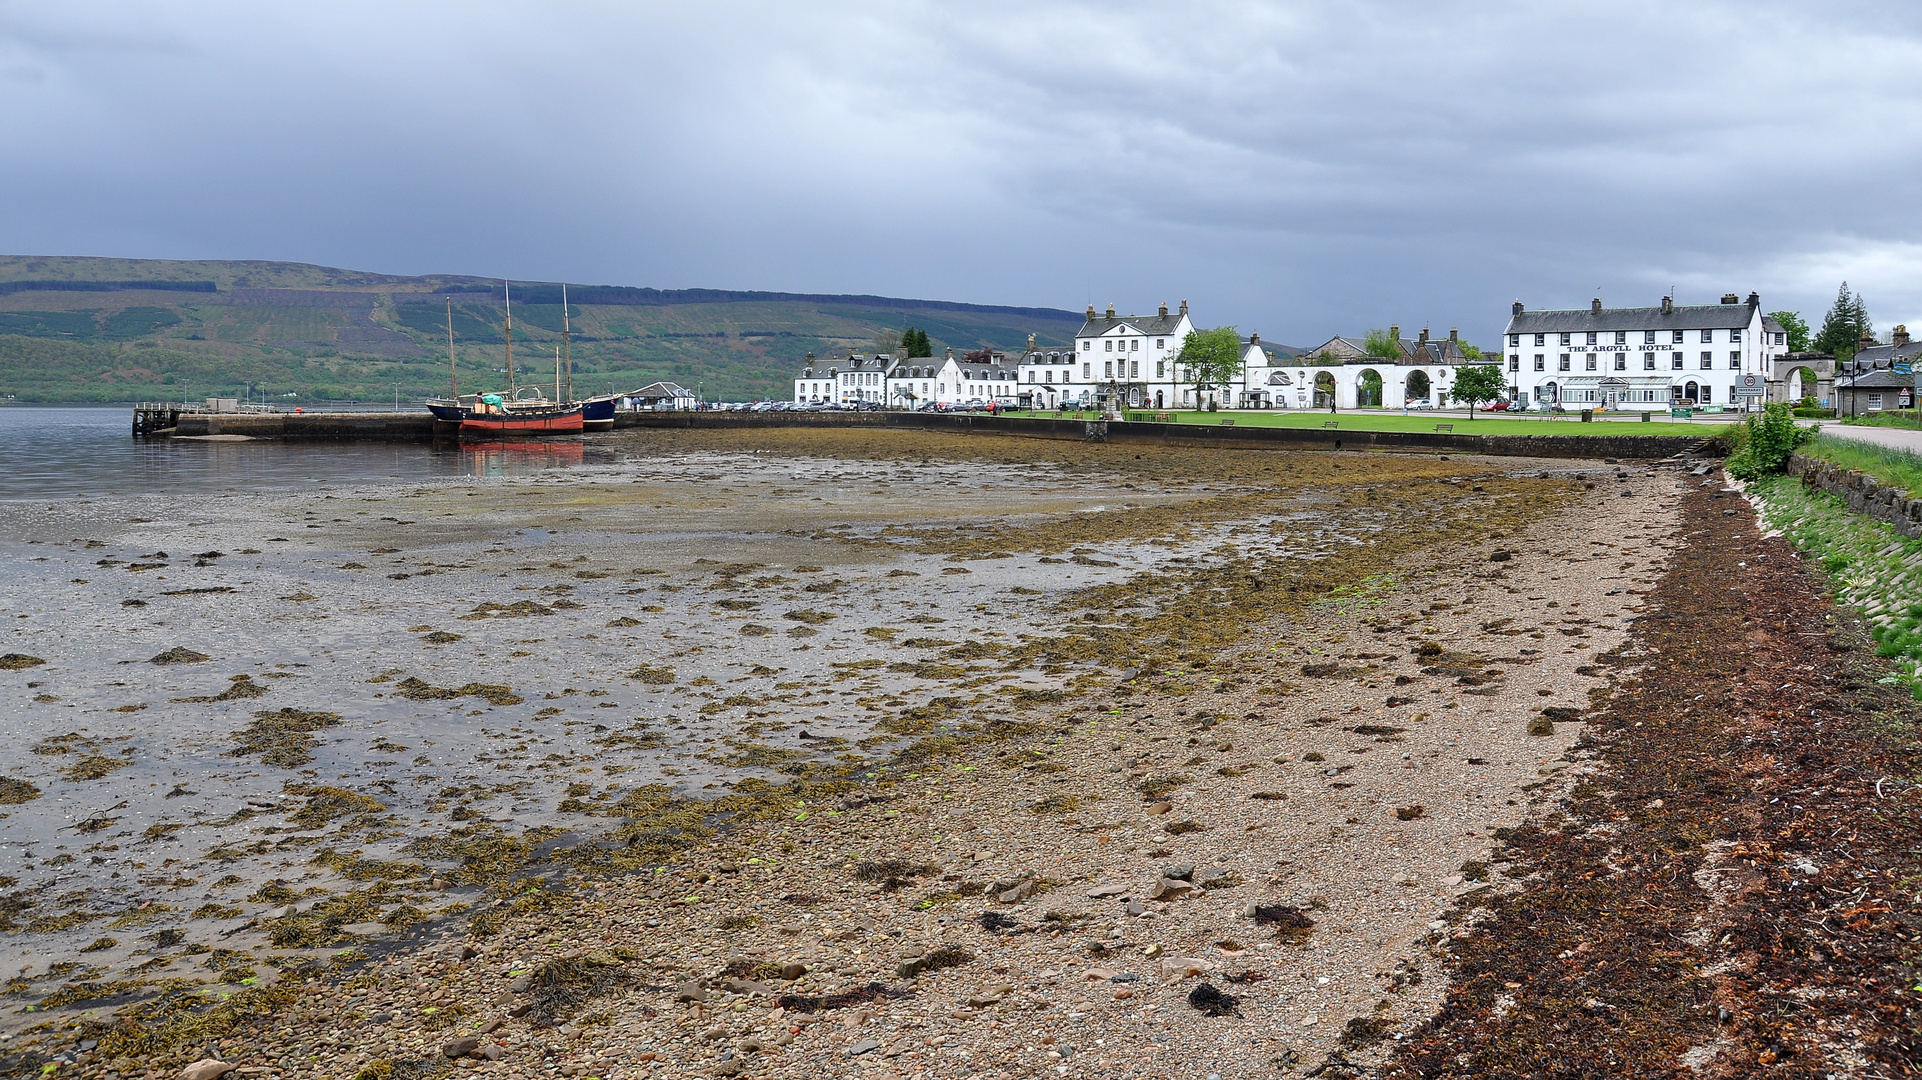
515, 457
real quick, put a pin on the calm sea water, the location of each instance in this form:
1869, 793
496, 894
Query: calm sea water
63, 452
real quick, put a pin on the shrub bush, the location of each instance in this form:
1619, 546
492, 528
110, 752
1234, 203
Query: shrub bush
1762, 445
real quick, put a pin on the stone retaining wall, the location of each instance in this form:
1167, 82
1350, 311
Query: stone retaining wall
1863, 493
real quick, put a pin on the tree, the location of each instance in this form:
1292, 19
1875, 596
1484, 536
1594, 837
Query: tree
1209, 358
1798, 329
1379, 344
1843, 326
915, 343
1477, 384
1473, 352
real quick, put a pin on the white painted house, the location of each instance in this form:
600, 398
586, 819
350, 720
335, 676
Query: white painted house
945, 381
1117, 360
1643, 359
851, 380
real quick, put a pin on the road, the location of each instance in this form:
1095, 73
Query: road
1898, 438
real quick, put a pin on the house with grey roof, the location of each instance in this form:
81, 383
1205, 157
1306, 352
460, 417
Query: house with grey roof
857, 378
1878, 378
1118, 361
1716, 356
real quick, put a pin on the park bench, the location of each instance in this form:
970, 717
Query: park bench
1228, 423
1331, 423
1444, 427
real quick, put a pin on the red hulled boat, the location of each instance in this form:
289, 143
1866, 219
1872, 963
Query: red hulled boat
491, 420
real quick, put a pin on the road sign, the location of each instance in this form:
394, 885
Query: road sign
1748, 391
1751, 381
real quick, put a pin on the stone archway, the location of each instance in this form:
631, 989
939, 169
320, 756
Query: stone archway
1368, 387
1324, 389
1418, 386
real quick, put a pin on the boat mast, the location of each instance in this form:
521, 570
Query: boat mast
567, 346
510, 339
453, 373
557, 374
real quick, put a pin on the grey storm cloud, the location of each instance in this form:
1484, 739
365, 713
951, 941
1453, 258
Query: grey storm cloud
1299, 169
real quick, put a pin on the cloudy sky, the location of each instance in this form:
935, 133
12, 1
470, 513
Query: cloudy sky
1300, 169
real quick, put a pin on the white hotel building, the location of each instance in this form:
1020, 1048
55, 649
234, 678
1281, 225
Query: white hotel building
1644, 359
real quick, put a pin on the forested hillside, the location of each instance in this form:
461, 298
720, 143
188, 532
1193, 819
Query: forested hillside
85, 329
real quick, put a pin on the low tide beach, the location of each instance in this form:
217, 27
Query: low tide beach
792, 753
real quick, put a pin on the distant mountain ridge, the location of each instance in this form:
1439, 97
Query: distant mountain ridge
76, 328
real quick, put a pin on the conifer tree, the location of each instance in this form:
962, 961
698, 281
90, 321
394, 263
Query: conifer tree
1844, 325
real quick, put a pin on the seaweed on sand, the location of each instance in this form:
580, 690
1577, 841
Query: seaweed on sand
485, 853
283, 737
93, 767
239, 687
14, 791
179, 1021
14, 661
564, 985
415, 689
325, 804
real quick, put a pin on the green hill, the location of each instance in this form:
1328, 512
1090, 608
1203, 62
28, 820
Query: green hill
86, 329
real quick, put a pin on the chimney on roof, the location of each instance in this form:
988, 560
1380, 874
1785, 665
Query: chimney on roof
1900, 336
1164, 309
1454, 334
1184, 307
1030, 342
1091, 311
1254, 338
1518, 307
1730, 298
1424, 335
1110, 311
1868, 341
1754, 299
1595, 305
1668, 305
1394, 333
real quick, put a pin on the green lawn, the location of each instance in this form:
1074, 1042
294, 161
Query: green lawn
1900, 468
1370, 420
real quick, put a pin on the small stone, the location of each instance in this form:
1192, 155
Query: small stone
1161, 808
521, 984
690, 991
491, 1051
1133, 907
1167, 889
791, 971
460, 1048
1100, 891
862, 1047
1179, 872
1152, 951
1018, 893
206, 1069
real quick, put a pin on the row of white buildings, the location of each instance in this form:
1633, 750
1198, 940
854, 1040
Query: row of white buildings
1618, 358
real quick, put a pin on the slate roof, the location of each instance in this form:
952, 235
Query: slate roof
1882, 356
1609, 320
1881, 379
1151, 325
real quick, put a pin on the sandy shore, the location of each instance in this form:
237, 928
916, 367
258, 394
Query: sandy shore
1309, 680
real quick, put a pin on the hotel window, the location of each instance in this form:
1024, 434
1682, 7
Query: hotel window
1107, 370
1591, 361
1708, 360
1086, 345
1648, 337
1735, 360
1541, 339
1591, 337
1031, 377
1621, 362
1566, 338
1051, 377
1541, 362
1161, 343
1135, 345
1134, 369
1087, 371
1648, 361
1708, 336
1621, 337
1161, 368
1734, 336
1677, 339
1515, 363
1561, 362
1675, 361
1515, 340
1875, 402
1110, 345
1781, 338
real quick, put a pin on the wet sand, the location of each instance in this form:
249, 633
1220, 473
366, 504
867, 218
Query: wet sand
723, 616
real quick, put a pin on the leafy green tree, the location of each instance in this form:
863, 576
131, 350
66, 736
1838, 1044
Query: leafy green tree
915, 343
1209, 358
1478, 383
1844, 325
1797, 327
1473, 352
1378, 343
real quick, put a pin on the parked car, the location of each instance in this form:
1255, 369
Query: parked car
1421, 403
1500, 406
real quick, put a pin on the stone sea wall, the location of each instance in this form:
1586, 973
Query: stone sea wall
1863, 493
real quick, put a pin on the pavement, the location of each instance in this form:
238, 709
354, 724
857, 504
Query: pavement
1897, 438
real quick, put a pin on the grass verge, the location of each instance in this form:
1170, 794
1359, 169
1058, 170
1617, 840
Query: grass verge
1899, 468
